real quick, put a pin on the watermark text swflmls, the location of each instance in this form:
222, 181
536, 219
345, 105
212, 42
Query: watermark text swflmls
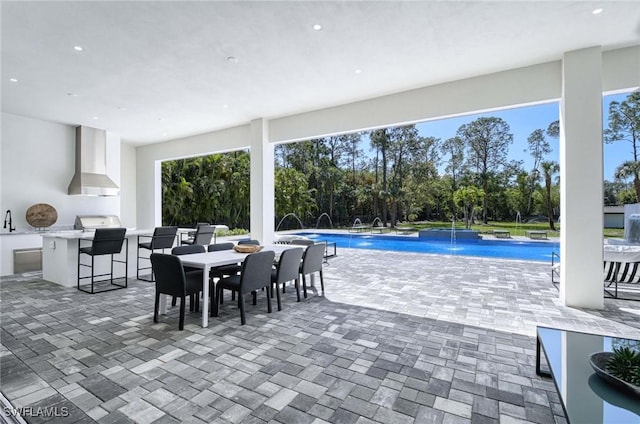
30, 411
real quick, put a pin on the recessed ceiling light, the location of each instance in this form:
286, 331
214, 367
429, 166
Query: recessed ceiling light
78, 48
358, 71
13, 80
72, 95
232, 59
95, 117
164, 134
122, 108
317, 27
225, 106
597, 11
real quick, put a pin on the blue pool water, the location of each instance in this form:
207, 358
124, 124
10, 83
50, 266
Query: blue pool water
523, 250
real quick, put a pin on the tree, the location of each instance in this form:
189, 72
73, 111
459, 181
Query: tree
292, 194
487, 141
624, 125
468, 198
453, 150
380, 141
404, 148
615, 191
627, 170
549, 169
212, 188
538, 148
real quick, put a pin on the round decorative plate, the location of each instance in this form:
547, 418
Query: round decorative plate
41, 215
598, 362
247, 248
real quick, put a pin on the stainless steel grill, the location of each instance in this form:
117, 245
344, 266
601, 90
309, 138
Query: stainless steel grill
91, 222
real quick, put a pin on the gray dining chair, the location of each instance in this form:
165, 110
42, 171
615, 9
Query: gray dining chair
255, 275
172, 280
224, 270
249, 241
202, 236
287, 269
312, 263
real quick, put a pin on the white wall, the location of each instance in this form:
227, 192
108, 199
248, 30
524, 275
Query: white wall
38, 161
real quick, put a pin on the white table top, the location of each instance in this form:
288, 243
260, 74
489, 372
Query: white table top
227, 257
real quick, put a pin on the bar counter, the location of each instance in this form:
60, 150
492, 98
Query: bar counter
60, 255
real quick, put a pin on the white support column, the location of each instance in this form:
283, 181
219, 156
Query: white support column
262, 187
581, 179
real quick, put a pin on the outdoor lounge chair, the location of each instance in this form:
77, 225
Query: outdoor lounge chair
615, 273
359, 228
625, 273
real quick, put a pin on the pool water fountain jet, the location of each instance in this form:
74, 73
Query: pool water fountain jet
373, 224
518, 221
288, 215
356, 223
320, 217
453, 235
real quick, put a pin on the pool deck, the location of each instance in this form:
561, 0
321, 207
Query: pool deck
402, 338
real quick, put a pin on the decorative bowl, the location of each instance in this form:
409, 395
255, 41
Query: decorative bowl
598, 362
41, 215
247, 248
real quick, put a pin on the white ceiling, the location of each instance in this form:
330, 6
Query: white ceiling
156, 70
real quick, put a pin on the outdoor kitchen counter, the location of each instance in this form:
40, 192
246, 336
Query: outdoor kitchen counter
60, 255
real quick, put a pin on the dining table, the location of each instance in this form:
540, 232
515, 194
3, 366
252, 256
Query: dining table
208, 260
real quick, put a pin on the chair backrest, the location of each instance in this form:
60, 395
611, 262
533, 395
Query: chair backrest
289, 265
108, 241
256, 271
170, 278
204, 233
312, 259
220, 246
187, 249
163, 237
303, 242
249, 241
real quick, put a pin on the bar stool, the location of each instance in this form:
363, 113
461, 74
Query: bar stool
203, 235
106, 241
162, 238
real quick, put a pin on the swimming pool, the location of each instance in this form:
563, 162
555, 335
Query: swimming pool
523, 250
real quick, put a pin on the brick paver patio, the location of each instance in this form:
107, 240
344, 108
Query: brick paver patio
397, 338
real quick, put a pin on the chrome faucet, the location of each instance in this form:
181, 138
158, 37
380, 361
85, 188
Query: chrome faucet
8, 214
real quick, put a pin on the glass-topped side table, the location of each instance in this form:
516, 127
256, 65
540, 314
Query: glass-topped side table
585, 397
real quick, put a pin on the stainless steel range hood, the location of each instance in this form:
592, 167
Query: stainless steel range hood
91, 177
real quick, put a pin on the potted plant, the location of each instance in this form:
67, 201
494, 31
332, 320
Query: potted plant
621, 367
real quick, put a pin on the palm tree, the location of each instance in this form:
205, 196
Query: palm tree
630, 169
549, 169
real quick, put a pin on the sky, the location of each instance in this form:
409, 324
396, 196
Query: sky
523, 121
